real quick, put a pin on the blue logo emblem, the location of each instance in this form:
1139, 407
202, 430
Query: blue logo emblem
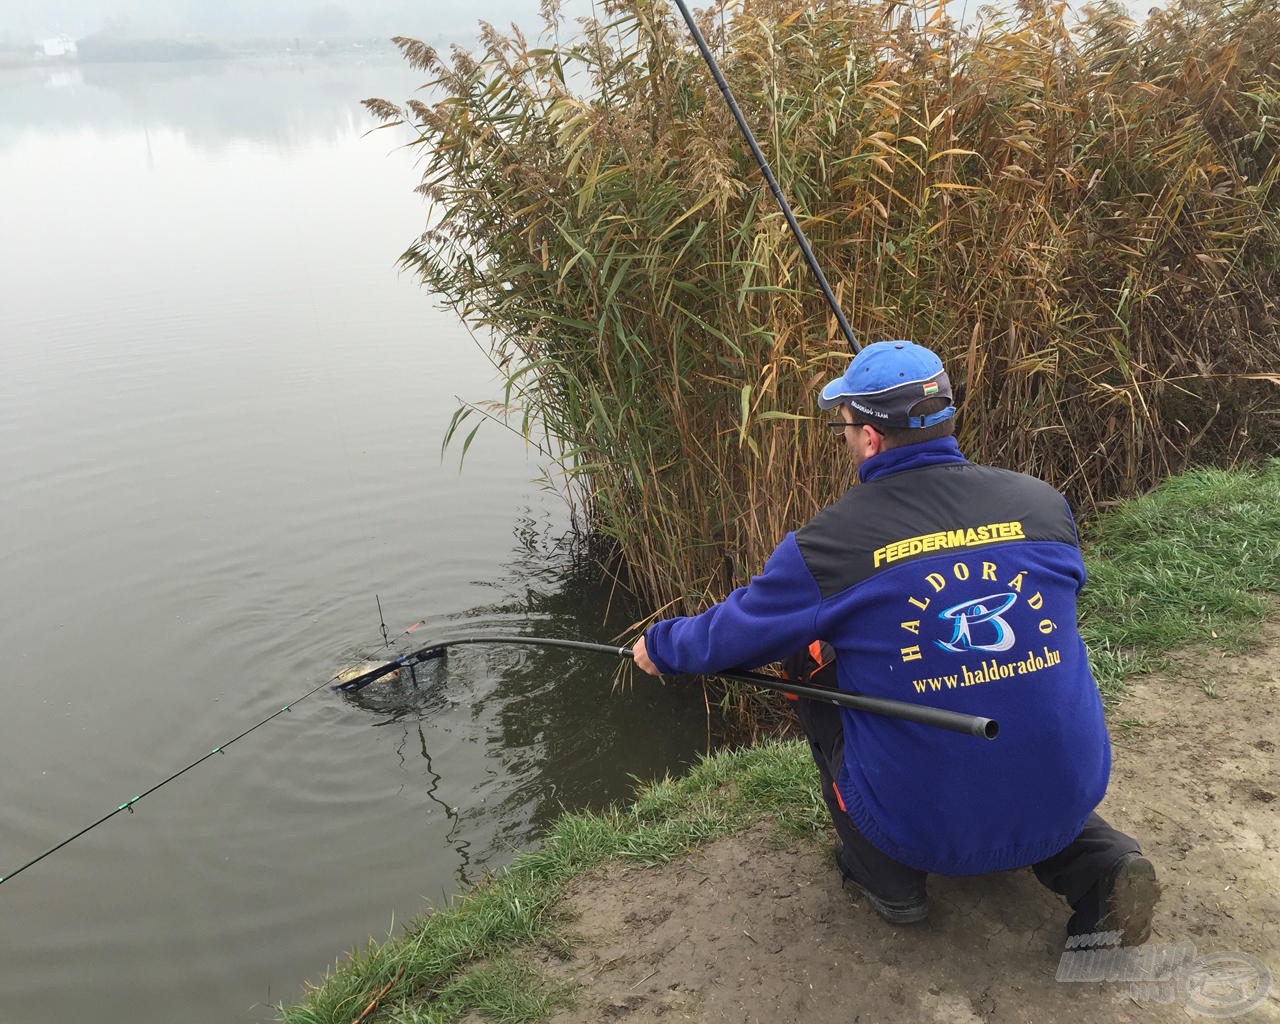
978, 626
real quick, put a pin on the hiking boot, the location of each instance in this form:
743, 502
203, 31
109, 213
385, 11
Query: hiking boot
1122, 902
893, 911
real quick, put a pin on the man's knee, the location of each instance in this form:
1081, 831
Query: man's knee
1076, 868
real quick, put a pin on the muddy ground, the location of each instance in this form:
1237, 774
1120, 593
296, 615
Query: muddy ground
749, 929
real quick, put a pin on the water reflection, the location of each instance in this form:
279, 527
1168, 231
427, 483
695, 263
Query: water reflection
558, 730
451, 836
283, 102
212, 390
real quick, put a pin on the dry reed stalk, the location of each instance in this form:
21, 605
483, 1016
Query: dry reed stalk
1081, 218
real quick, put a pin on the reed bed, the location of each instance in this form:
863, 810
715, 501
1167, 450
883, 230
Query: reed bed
1080, 215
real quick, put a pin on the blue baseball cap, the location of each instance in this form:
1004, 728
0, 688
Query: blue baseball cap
885, 380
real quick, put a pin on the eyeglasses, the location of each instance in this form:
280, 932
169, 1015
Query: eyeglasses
838, 426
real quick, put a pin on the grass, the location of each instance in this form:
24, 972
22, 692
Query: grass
1195, 562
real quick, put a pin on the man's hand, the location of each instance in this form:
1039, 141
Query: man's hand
643, 661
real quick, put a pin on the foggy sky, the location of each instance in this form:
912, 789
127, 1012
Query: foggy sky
22, 21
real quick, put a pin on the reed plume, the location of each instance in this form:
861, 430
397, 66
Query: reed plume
1080, 216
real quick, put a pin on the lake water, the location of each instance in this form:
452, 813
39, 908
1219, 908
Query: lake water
221, 410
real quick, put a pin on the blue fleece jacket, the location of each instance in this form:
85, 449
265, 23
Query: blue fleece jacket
949, 584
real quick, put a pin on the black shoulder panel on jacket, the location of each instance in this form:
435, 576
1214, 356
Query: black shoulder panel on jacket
921, 512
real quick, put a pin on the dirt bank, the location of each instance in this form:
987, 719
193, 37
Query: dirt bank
746, 930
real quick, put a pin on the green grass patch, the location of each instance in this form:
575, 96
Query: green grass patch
506, 991
1196, 561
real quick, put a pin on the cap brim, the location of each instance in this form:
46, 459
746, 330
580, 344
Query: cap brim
832, 395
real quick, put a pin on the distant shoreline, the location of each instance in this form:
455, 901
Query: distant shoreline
97, 50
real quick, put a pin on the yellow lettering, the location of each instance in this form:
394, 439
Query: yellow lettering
1036, 601
1016, 582
936, 581
960, 571
1047, 626
961, 537
912, 653
922, 605
912, 627
989, 570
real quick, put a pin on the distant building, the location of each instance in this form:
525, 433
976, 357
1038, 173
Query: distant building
60, 46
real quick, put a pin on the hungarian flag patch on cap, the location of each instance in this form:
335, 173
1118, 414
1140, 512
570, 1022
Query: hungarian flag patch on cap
931, 388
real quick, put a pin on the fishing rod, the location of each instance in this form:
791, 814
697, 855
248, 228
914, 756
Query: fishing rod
220, 749
972, 725
128, 804
923, 714
812, 260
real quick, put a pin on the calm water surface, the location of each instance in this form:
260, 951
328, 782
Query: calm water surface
220, 420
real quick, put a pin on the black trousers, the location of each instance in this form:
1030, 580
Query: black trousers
1071, 872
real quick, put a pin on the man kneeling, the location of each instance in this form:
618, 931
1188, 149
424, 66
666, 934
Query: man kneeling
953, 584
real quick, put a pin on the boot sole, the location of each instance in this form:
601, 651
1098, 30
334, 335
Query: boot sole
892, 913
1131, 902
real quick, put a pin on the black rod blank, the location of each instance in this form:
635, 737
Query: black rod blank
923, 714
812, 260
